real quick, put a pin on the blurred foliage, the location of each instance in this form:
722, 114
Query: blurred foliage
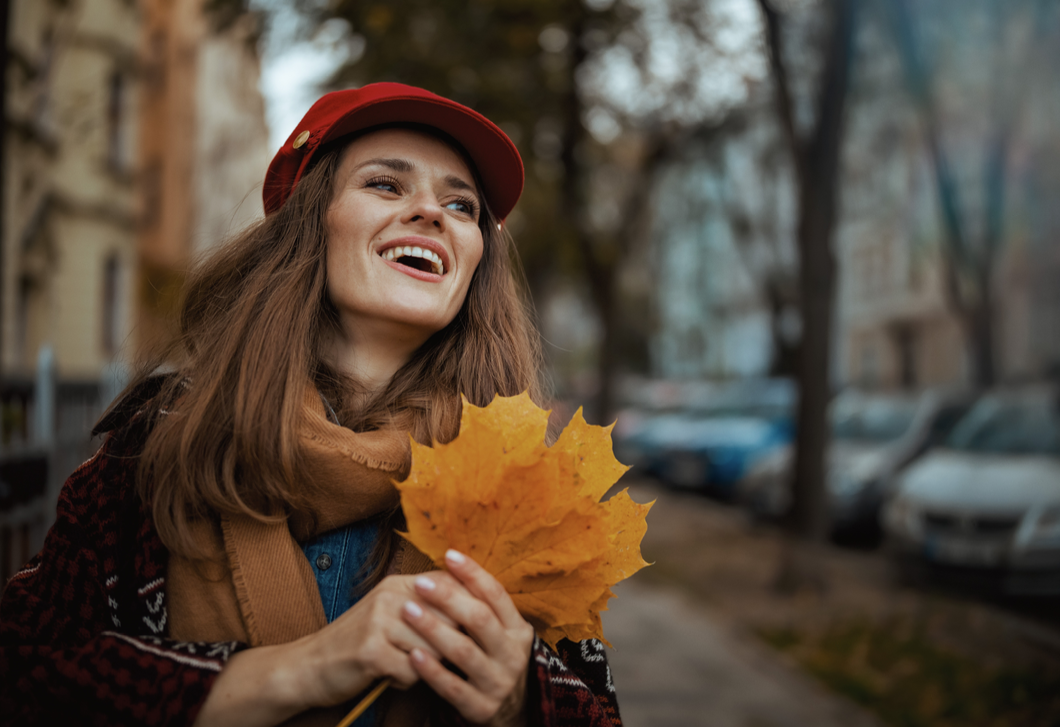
896, 670
513, 61
223, 13
1001, 38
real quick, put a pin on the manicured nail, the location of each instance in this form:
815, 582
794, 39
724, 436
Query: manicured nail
417, 656
425, 583
454, 557
413, 609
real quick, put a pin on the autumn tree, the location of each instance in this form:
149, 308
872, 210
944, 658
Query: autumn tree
516, 62
815, 154
973, 234
540, 69
675, 73
757, 208
5, 12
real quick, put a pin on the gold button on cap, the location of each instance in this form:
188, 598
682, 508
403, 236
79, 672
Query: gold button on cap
302, 139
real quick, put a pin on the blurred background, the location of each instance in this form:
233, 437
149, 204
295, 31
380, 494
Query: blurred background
805, 252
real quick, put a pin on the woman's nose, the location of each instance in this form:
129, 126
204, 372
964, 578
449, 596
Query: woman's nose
424, 207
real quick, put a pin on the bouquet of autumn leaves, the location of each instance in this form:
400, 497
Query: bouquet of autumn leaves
528, 513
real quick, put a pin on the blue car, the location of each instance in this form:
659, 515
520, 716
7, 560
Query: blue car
710, 442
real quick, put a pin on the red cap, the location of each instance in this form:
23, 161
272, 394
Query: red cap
344, 112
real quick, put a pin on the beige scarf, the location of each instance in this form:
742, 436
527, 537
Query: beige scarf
257, 585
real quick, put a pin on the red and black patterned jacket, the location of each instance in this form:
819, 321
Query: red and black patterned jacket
83, 628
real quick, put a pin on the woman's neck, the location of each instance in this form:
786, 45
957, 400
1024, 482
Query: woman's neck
370, 358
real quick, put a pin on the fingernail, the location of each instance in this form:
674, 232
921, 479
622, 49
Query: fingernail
417, 656
413, 609
455, 557
425, 583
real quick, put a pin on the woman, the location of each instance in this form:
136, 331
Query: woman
228, 556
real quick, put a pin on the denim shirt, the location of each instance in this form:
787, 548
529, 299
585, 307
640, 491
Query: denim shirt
336, 558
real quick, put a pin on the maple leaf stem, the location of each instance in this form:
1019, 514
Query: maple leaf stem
364, 703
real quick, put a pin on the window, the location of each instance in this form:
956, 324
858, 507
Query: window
117, 123
111, 304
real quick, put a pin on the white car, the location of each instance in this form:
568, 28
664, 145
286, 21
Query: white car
874, 436
988, 503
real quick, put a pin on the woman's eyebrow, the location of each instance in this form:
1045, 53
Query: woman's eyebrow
398, 165
404, 165
457, 183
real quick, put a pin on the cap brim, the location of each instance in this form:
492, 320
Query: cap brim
495, 156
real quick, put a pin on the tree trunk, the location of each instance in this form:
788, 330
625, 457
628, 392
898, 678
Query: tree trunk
4, 241
808, 517
598, 275
784, 361
604, 295
817, 165
974, 309
980, 333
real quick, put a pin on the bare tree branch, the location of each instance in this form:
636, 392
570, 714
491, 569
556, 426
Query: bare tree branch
967, 269
921, 86
785, 108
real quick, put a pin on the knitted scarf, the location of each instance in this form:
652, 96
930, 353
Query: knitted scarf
257, 586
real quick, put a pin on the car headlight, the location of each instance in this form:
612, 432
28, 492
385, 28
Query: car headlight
1047, 525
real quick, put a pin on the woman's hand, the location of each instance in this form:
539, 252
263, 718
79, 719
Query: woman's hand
266, 685
402, 630
475, 626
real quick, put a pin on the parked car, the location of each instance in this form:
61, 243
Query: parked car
874, 436
988, 504
708, 440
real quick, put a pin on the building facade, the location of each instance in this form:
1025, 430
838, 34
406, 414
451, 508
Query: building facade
135, 138
203, 150
70, 203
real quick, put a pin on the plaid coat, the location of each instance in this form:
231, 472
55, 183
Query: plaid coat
84, 634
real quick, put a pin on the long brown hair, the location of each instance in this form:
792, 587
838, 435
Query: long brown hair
252, 322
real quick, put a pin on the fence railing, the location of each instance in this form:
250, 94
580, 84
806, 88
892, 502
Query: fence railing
46, 426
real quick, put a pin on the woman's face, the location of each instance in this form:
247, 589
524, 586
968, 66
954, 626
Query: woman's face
403, 235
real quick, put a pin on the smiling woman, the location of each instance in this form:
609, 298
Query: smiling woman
229, 555
404, 195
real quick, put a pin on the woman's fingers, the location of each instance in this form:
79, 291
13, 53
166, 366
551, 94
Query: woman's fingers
378, 618
480, 605
476, 706
484, 587
475, 616
494, 652
452, 644
386, 660
372, 640
495, 687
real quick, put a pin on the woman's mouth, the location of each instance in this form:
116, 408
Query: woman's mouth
416, 258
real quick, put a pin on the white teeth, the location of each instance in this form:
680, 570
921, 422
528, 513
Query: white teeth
436, 261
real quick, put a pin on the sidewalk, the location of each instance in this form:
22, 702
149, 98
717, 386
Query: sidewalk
675, 667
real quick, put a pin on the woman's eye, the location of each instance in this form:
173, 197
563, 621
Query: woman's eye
462, 205
387, 185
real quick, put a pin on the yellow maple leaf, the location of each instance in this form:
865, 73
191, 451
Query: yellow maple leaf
528, 513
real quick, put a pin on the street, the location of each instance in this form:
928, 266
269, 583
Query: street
702, 637
675, 667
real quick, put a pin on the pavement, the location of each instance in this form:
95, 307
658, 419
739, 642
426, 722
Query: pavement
675, 666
